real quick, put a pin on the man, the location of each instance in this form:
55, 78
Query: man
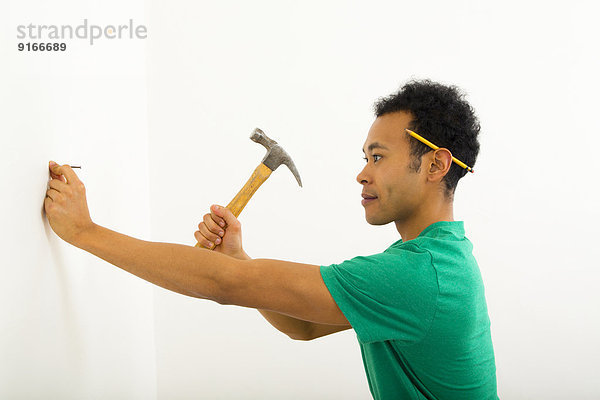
418, 308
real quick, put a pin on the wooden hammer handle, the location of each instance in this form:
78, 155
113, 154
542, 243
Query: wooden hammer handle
259, 176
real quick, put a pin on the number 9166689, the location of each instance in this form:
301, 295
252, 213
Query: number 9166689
42, 46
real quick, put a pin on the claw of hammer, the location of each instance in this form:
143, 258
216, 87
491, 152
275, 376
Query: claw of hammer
273, 159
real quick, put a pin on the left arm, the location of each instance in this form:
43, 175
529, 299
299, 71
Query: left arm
289, 288
172, 266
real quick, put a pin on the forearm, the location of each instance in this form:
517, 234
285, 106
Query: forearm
293, 327
183, 269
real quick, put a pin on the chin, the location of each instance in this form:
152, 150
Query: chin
377, 220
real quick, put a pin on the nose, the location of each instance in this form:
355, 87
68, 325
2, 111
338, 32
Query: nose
362, 176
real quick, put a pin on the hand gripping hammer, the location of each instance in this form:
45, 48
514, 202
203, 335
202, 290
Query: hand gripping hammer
273, 159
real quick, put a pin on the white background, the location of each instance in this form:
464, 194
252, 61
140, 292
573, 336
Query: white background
71, 325
161, 127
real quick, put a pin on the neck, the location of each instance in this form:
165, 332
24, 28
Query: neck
431, 212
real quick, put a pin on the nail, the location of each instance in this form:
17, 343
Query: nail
218, 241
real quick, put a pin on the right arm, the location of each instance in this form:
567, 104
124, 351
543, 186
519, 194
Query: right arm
295, 328
228, 240
298, 329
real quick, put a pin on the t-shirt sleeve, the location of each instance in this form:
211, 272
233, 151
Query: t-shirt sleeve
385, 296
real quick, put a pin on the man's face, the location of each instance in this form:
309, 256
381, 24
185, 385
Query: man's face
393, 192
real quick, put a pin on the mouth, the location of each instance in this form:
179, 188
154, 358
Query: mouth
368, 198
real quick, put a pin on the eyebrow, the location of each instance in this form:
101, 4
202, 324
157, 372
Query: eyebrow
376, 145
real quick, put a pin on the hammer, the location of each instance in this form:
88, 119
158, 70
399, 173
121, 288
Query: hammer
273, 159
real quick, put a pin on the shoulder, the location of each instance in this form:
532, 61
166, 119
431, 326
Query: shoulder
405, 262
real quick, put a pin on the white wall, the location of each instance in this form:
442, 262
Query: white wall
307, 73
71, 325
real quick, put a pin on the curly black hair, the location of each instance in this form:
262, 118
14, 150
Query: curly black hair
440, 115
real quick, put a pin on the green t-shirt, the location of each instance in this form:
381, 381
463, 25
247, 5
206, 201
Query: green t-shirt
420, 317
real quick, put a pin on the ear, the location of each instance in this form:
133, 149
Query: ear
439, 164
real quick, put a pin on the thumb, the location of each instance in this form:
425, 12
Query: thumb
55, 175
227, 215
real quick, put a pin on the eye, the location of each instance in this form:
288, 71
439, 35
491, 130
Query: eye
374, 158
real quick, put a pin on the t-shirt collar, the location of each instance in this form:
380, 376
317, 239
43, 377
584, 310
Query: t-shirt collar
455, 227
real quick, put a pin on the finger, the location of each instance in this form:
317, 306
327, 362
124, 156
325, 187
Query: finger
65, 170
216, 217
228, 216
204, 242
53, 194
58, 177
51, 165
212, 225
212, 237
54, 176
58, 185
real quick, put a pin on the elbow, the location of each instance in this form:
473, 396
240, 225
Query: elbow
304, 335
227, 284
220, 301
216, 293
222, 296
299, 337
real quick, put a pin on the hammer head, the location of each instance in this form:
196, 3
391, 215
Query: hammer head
275, 154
